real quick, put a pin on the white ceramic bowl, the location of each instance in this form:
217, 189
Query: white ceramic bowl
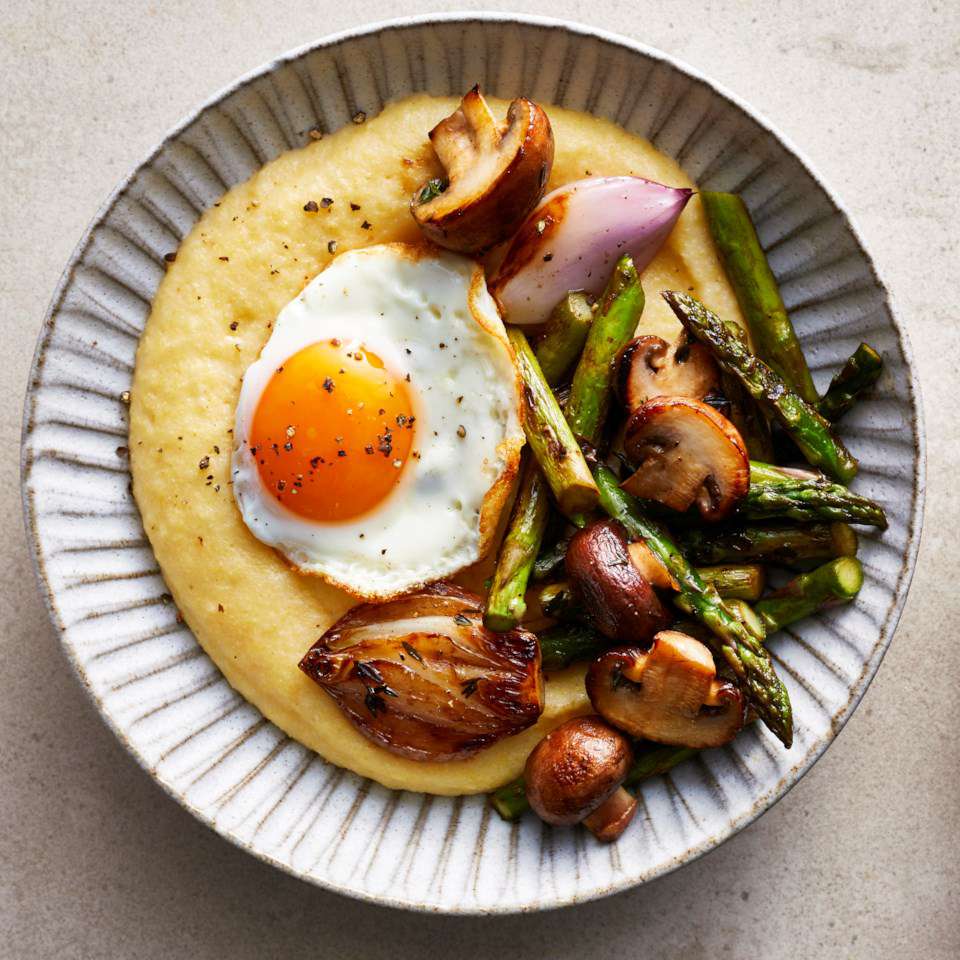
166, 700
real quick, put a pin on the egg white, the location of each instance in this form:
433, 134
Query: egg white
402, 302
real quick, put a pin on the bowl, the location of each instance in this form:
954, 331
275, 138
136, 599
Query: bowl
168, 703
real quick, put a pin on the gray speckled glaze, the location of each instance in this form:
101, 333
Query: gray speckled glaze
166, 700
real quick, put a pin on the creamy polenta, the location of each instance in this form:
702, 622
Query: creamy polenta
245, 259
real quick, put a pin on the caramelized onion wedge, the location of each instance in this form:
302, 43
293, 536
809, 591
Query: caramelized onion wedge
650, 367
424, 678
685, 453
574, 775
574, 238
670, 694
496, 174
615, 597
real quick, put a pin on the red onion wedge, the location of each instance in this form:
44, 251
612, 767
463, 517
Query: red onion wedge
574, 237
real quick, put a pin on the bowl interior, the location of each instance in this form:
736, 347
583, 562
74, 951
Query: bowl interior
167, 701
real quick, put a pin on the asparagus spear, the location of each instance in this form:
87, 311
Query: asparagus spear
550, 561
551, 441
772, 543
565, 336
857, 375
618, 314
732, 581
809, 430
808, 501
531, 510
746, 415
836, 582
652, 760
568, 642
756, 288
741, 647
510, 800
656, 760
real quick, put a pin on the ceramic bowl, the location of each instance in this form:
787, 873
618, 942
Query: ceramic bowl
168, 703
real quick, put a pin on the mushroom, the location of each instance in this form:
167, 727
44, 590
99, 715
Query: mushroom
650, 367
495, 174
575, 775
670, 694
651, 566
617, 600
685, 453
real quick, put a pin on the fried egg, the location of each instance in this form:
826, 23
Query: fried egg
378, 432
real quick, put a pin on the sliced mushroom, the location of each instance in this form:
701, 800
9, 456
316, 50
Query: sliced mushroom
670, 694
615, 598
575, 775
649, 367
495, 174
423, 677
685, 453
650, 566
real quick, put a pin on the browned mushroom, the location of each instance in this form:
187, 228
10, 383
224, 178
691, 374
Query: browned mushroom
685, 453
495, 174
575, 775
424, 678
670, 694
616, 599
650, 566
649, 367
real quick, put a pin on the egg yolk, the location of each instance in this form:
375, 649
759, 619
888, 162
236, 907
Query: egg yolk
332, 432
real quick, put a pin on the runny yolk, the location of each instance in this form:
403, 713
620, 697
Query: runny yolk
332, 432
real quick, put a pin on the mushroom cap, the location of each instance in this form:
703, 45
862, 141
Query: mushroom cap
649, 367
496, 174
685, 453
576, 768
670, 694
616, 598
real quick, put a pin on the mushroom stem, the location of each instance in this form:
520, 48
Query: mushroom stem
612, 817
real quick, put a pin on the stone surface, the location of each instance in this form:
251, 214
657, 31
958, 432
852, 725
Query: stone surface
860, 860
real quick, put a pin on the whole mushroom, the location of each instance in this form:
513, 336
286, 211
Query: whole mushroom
670, 694
495, 174
575, 775
617, 600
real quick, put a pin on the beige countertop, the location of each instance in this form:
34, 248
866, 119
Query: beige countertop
860, 860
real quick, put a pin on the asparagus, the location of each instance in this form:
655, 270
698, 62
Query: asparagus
656, 760
732, 581
772, 543
550, 561
808, 430
531, 510
857, 375
808, 501
738, 644
744, 411
566, 643
565, 336
510, 800
551, 441
618, 314
652, 760
836, 582
756, 288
